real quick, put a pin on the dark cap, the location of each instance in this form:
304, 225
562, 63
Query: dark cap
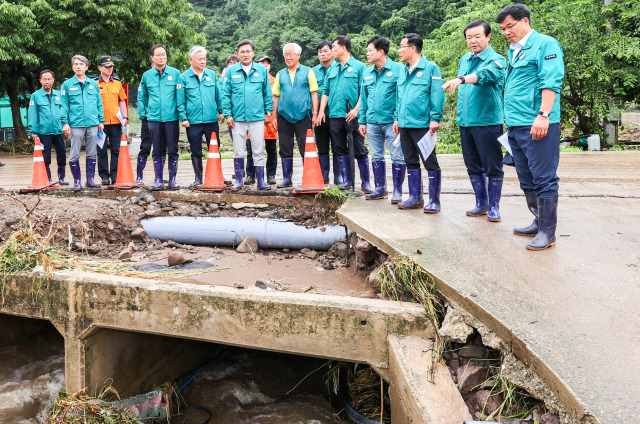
105, 61
262, 58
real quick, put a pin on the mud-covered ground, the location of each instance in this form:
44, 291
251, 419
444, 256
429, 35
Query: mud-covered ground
90, 225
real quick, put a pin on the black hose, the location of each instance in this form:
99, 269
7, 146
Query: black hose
195, 408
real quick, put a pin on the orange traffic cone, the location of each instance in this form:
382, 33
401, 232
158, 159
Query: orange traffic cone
312, 181
124, 179
213, 179
39, 180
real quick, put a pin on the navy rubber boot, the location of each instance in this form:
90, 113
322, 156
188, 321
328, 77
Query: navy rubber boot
397, 174
61, 174
380, 180
416, 199
197, 170
345, 172
495, 192
142, 162
435, 178
75, 171
164, 159
365, 175
324, 166
532, 204
479, 184
261, 183
547, 219
337, 174
158, 168
91, 172
287, 173
238, 166
48, 173
173, 172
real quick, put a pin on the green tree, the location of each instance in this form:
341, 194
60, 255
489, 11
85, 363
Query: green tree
38, 34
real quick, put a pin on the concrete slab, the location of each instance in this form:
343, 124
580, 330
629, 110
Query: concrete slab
570, 313
81, 305
414, 399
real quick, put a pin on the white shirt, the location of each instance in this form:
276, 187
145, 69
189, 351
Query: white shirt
516, 47
198, 75
247, 68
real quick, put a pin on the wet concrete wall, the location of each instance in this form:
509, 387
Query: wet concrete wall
105, 321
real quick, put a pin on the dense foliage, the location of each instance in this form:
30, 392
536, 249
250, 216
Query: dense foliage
45, 34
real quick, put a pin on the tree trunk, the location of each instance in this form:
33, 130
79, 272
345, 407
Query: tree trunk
12, 91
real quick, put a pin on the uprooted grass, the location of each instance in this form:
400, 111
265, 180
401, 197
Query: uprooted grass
403, 279
80, 408
26, 251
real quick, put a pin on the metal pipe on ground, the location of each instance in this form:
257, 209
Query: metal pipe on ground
230, 231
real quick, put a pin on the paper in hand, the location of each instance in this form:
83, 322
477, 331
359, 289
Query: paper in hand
427, 143
101, 138
504, 140
396, 142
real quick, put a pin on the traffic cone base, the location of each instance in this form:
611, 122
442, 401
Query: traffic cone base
36, 189
312, 179
124, 178
39, 180
213, 179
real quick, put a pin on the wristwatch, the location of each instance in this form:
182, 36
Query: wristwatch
543, 113
461, 79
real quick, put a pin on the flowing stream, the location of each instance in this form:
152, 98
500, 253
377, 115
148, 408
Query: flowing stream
239, 386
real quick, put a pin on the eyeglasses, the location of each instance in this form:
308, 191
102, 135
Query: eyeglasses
400, 47
243, 52
508, 28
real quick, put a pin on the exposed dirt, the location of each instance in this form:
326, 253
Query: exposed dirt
93, 226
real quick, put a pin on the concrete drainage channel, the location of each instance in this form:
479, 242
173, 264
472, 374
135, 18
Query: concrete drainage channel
157, 309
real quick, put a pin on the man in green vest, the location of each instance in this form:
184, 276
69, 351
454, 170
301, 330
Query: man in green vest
158, 94
377, 110
342, 88
324, 143
85, 117
480, 117
295, 95
46, 117
199, 106
247, 104
420, 102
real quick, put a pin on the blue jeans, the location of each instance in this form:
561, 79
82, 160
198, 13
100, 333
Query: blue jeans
377, 134
536, 160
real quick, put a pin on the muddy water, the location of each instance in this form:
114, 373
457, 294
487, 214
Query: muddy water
239, 386
31, 375
246, 386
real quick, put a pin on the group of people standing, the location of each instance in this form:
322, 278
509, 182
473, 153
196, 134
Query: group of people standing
392, 104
